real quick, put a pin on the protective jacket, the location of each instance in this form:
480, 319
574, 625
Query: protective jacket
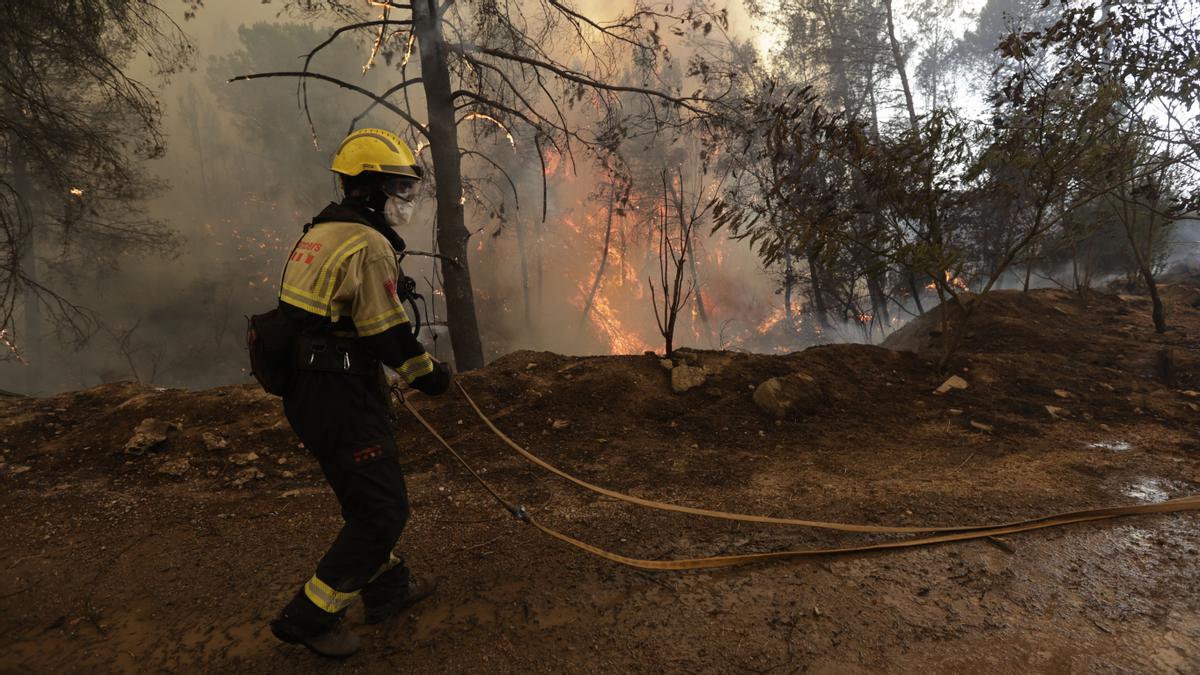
342, 278
339, 291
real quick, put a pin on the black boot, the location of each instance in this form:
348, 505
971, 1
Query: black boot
393, 592
303, 623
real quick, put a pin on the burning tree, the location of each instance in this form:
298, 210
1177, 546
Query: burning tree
519, 69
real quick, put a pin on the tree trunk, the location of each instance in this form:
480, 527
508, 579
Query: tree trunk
30, 337
587, 305
901, 68
818, 291
1158, 312
523, 254
452, 233
916, 292
698, 298
789, 284
879, 302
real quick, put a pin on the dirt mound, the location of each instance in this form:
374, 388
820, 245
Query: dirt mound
162, 528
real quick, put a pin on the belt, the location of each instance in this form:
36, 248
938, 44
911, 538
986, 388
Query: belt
330, 354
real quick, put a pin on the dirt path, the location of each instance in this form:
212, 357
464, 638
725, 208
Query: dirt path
121, 562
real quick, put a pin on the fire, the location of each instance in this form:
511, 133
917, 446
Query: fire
620, 339
77, 192
552, 159
771, 321
955, 281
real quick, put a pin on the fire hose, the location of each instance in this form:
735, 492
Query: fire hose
943, 534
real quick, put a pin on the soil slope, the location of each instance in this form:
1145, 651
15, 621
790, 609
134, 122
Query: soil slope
175, 557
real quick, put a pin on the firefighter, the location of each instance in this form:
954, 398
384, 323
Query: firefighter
339, 292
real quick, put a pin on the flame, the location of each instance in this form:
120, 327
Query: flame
955, 281
771, 321
78, 192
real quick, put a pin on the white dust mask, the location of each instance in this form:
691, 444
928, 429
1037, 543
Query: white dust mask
398, 212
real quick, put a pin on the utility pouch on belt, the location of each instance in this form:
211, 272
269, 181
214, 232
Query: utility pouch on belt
270, 340
331, 354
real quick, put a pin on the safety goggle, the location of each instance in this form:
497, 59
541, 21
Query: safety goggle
400, 187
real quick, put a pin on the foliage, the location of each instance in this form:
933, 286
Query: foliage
74, 129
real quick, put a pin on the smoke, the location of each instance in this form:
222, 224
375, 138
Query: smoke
244, 177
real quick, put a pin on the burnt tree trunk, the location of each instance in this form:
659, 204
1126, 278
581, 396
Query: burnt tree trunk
452, 233
31, 334
698, 298
820, 308
587, 305
523, 254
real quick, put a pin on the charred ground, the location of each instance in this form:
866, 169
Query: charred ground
178, 555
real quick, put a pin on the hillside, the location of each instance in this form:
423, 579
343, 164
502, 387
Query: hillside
174, 553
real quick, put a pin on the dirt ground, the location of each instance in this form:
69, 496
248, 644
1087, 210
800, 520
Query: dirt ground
176, 558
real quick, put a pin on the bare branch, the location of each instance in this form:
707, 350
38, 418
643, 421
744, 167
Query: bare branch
345, 85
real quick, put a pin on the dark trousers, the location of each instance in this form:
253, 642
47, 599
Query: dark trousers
343, 420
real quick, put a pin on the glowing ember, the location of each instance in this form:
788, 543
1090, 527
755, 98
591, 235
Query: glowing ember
78, 192
488, 118
408, 50
378, 41
12, 347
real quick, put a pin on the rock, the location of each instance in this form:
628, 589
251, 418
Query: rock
1057, 412
291, 493
245, 476
684, 378
667, 364
244, 459
951, 383
213, 442
530, 366
1191, 394
982, 427
176, 468
138, 401
1062, 393
148, 435
288, 474
560, 424
798, 393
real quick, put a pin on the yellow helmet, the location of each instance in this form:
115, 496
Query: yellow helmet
374, 150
